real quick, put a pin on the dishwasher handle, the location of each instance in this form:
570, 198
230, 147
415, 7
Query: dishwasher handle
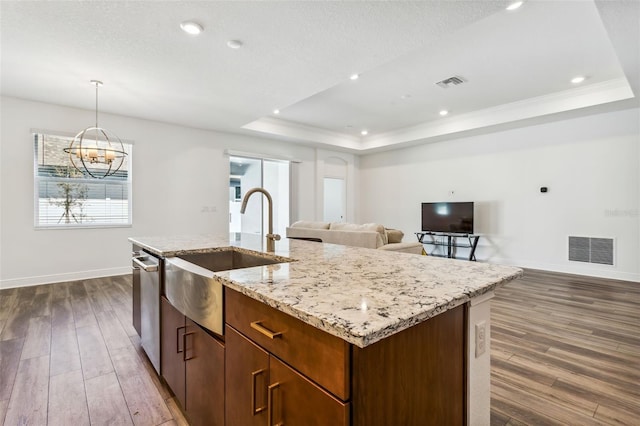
149, 268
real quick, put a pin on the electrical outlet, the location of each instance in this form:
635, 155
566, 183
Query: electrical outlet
481, 338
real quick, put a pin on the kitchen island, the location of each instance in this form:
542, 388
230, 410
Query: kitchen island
393, 335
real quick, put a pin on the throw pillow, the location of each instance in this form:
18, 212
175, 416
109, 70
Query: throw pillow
310, 224
394, 235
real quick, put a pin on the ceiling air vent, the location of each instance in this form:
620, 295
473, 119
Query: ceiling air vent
451, 81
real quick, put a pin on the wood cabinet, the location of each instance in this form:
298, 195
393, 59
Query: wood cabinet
262, 390
247, 377
323, 358
283, 371
204, 366
193, 365
414, 377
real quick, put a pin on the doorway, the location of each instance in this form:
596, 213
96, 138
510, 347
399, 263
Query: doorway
249, 172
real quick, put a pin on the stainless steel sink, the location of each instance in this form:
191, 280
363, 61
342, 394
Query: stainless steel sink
192, 287
226, 260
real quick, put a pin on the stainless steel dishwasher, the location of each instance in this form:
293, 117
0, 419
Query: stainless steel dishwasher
150, 306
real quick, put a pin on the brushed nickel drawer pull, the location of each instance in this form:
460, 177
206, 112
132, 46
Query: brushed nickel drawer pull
263, 330
148, 268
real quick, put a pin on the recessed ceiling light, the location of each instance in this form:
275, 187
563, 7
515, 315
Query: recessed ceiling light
405, 97
578, 79
515, 5
354, 76
364, 132
234, 44
444, 112
191, 27
276, 111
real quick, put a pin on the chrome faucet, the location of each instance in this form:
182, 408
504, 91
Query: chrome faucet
271, 237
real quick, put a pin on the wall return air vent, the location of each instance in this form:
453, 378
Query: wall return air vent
451, 81
591, 250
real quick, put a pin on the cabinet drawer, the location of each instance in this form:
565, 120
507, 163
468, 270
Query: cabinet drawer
323, 358
294, 400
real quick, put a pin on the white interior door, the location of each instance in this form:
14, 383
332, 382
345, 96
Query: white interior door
335, 200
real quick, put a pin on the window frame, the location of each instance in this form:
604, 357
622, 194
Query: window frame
37, 179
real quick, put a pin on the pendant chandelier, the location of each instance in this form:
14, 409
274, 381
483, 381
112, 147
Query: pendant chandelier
96, 151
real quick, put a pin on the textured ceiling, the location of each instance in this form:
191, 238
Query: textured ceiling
297, 56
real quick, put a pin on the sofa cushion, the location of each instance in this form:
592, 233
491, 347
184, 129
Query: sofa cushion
310, 224
413, 248
366, 239
382, 239
394, 235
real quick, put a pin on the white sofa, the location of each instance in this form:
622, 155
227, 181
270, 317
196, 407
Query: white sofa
368, 235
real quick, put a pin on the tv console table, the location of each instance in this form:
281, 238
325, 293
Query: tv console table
451, 243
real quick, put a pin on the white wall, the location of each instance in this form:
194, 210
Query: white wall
590, 164
180, 175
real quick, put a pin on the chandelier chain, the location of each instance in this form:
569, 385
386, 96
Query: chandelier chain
97, 104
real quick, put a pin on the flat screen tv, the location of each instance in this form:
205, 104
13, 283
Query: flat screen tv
448, 217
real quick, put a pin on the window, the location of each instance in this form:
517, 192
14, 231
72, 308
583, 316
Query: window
67, 198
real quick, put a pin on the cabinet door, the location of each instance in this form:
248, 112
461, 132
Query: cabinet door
294, 400
204, 367
247, 377
172, 328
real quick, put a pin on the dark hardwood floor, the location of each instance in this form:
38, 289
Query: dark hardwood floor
70, 356
565, 350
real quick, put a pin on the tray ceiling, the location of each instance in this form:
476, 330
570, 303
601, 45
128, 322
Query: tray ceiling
297, 57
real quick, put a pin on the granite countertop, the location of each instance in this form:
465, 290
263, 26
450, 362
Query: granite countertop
360, 295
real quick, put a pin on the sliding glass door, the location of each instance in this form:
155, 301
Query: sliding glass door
274, 176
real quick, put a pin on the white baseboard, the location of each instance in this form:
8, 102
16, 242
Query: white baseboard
57, 278
591, 270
